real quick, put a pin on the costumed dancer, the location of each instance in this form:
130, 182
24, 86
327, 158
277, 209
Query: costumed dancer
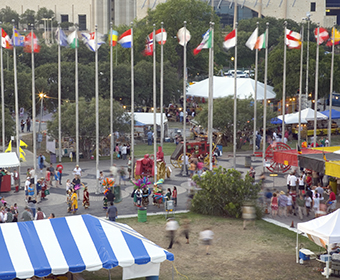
86, 198
158, 193
107, 184
141, 193
43, 187
74, 199
76, 184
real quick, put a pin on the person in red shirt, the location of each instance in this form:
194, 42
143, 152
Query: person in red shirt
60, 168
331, 202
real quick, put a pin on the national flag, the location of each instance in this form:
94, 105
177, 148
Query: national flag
125, 39
17, 39
180, 36
72, 40
9, 148
5, 40
205, 44
230, 40
252, 39
323, 35
63, 39
293, 39
261, 42
148, 45
113, 36
28, 43
336, 35
159, 36
90, 39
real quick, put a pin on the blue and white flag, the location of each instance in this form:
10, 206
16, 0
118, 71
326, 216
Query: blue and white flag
89, 40
63, 39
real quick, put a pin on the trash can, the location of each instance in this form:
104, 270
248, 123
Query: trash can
117, 193
247, 162
142, 214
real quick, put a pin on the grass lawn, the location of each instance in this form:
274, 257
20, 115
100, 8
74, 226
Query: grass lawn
263, 252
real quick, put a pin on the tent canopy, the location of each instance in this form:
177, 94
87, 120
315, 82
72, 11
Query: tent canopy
306, 115
75, 244
142, 119
224, 86
335, 114
316, 162
8, 160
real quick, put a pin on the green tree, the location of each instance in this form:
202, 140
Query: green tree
28, 17
87, 123
44, 13
7, 14
9, 125
223, 193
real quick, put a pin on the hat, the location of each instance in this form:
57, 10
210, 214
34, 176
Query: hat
28, 178
77, 165
282, 192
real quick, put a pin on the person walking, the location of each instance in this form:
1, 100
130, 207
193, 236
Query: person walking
40, 215
206, 236
124, 152
300, 202
74, 199
86, 198
26, 215
52, 175
171, 227
112, 212
60, 168
174, 196
16, 180
41, 162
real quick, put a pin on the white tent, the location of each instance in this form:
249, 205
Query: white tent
323, 231
8, 160
306, 115
147, 118
224, 86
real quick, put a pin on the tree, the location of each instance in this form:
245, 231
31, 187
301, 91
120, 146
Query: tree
7, 14
9, 125
44, 13
28, 17
87, 123
223, 193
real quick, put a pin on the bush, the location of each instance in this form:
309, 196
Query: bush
223, 193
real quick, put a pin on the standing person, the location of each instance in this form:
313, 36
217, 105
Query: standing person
39, 189
331, 202
274, 205
171, 227
117, 150
57, 178
3, 215
60, 168
41, 162
289, 203
206, 236
28, 124
168, 194
320, 191
301, 183
52, 171
149, 134
101, 180
110, 196
121, 175
77, 171
283, 200
69, 200
48, 176
316, 204
32, 175
174, 196
16, 180
74, 199
288, 181
128, 149
40, 215
43, 188
124, 152
252, 173
129, 165
26, 215
86, 198
30, 191
22, 126
292, 181
186, 229
76, 184
112, 212
31, 204
308, 203
300, 202
315, 177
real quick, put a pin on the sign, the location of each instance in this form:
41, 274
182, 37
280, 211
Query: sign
285, 162
40, 137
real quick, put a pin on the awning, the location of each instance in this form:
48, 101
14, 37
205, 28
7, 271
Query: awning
290, 157
335, 114
332, 168
75, 244
8, 160
316, 162
327, 149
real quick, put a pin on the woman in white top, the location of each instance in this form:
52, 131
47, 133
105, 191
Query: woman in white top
289, 204
316, 204
301, 184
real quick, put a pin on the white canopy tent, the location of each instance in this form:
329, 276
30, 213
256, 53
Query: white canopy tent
8, 160
306, 115
323, 231
224, 86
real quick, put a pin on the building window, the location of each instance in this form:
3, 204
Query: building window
64, 18
312, 6
82, 22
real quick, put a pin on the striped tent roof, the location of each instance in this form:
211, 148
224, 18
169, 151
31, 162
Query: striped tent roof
75, 244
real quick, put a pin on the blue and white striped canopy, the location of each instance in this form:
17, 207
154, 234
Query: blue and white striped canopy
75, 244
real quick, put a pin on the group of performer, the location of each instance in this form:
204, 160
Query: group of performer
72, 191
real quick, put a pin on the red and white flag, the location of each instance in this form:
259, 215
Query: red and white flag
323, 35
28, 43
159, 36
230, 40
5, 40
148, 45
293, 39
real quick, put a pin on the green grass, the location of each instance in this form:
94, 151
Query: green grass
143, 148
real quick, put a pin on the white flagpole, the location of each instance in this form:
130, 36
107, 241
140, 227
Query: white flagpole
33, 106
59, 92
2, 93
185, 167
111, 97
154, 103
77, 94
97, 110
265, 100
132, 149
316, 84
211, 95
235, 100
162, 86
17, 123
331, 90
284, 84
255, 94
300, 88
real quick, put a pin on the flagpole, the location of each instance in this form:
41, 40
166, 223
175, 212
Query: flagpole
97, 110
316, 85
265, 100
111, 96
185, 167
235, 99
162, 86
331, 90
255, 95
33, 105
76, 93
284, 84
16, 100
307, 61
59, 92
2, 92
211, 95
300, 88
132, 149
154, 103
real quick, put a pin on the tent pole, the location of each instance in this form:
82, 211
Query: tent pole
327, 263
109, 274
297, 247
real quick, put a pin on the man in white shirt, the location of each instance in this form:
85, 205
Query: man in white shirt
3, 215
292, 181
27, 184
206, 237
288, 181
77, 171
171, 227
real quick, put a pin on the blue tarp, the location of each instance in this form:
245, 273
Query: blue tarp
276, 121
335, 114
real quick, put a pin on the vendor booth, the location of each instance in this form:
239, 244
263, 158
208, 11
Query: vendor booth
323, 231
7, 160
74, 244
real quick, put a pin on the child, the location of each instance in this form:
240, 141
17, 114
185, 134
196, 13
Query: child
316, 204
174, 196
274, 205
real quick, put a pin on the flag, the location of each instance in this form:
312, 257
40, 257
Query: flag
9, 148
23, 144
261, 42
336, 35
125, 39
159, 36
252, 39
180, 36
293, 39
63, 39
28, 43
148, 45
113, 36
17, 39
72, 40
89, 40
205, 44
5, 40
230, 40
323, 35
